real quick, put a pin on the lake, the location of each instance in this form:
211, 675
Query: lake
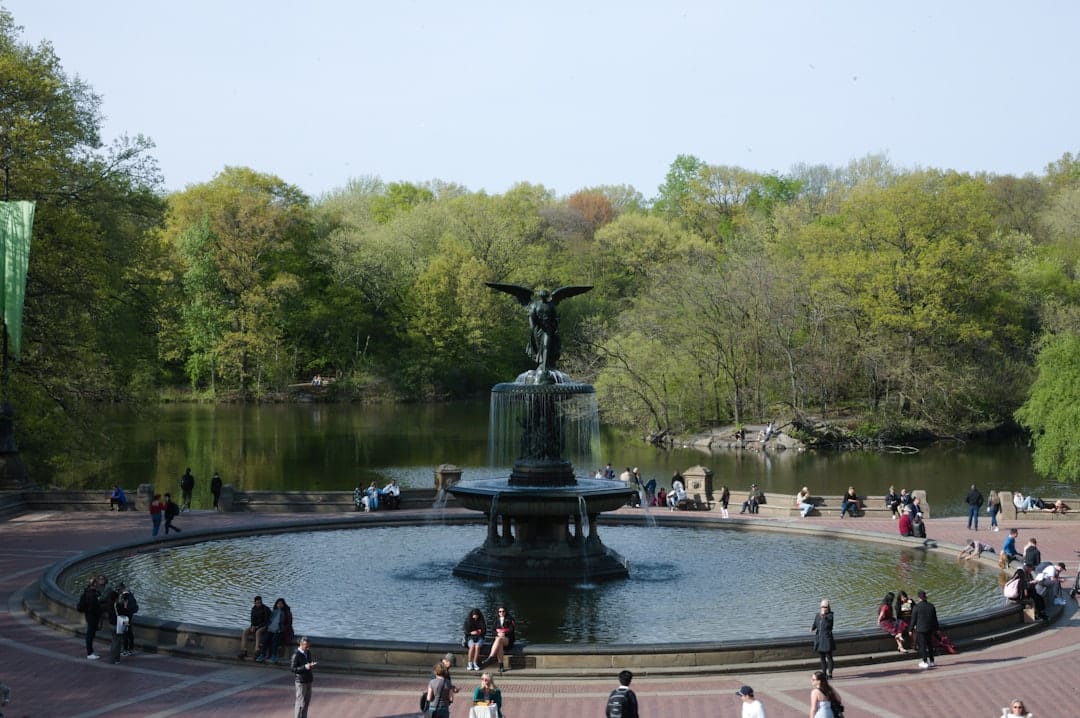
338, 446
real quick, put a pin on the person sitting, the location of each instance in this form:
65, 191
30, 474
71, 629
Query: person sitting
887, 620
1048, 583
371, 498
1016, 709
918, 526
902, 610
678, 492
904, 524
804, 502
1008, 550
1030, 591
1024, 504
391, 493
752, 500
892, 502
850, 503
488, 694
358, 498
661, 497
505, 634
974, 549
117, 499
260, 619
474, 629
279, 632
650, 492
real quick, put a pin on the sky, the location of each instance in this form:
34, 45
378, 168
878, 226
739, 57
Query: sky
570, 95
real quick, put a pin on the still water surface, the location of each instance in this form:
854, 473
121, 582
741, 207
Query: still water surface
337, 446
685, 584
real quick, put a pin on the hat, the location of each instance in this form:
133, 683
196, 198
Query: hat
744, 691
451, 659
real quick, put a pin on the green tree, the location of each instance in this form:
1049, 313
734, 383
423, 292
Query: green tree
1052, 411
239, 236
93, 284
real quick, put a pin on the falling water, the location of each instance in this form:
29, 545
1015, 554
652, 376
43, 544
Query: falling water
576, 422
583, 540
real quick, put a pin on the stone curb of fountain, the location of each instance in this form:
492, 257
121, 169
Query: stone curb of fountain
48, 605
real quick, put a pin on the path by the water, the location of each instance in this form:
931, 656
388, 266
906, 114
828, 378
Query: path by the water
50, 677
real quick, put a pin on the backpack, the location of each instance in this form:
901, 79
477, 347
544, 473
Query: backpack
618, 703
84, 602
172, 510
1013, 589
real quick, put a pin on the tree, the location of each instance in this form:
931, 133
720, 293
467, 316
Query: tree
239, 237
1052, 410
92, 285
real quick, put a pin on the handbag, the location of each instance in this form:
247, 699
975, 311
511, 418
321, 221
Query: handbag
122, 624
424, 702
1012, 588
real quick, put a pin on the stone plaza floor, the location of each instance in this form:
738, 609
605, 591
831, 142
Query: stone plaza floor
51, 678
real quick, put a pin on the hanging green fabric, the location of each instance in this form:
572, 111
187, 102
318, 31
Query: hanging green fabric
16, 222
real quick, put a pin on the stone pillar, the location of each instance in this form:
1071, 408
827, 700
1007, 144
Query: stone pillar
446, 475
143, 496
228, 494
699, 484
924, 505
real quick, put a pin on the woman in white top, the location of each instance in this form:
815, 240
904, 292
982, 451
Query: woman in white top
822, 696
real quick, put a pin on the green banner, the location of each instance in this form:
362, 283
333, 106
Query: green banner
16, 221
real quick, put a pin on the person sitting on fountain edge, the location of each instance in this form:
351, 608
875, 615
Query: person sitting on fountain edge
753, 500
391, 493
505, 635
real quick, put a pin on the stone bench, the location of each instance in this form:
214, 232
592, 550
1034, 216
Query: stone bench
322, 501
786, 505
72, 499
1008, 509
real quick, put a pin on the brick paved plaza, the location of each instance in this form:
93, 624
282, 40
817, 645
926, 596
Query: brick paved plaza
50, 677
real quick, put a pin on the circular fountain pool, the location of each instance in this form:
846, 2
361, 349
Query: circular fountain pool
686, 584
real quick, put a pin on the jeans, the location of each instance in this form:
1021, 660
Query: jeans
973, 516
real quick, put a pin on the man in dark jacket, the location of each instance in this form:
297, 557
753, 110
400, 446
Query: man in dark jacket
215, 489
974, 501
301, 666
622, 702
126, 605
924, 624
187, 485
171, 512
90, 605
260, 619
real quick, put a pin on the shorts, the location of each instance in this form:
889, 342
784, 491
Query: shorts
474, 641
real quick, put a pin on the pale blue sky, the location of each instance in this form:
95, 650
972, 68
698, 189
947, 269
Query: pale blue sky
570, 94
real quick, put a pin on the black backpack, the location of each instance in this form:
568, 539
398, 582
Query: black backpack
172, 510
618, 703
84, 601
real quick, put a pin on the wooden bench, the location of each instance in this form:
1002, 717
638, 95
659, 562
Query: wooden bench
786, 505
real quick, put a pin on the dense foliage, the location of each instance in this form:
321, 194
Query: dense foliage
910, 299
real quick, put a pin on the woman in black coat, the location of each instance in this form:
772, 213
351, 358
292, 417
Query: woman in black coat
824, 643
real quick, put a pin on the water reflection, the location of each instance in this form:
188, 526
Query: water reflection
685, 584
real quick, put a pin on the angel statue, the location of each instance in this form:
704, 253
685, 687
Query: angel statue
544, 344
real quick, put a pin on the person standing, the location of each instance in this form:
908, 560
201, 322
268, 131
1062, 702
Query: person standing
301, 665
157, 508
751, 707
924, 624
824, 699
993, 507
440, 692
90, 606
187, 485
974, 501
622, 702
215, 489
824, 643
127, 606
111, 608
171, 512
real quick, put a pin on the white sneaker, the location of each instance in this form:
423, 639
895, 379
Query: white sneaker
93, 657
933, 665
923, 664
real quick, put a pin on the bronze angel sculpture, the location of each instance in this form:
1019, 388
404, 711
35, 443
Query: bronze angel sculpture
544, 344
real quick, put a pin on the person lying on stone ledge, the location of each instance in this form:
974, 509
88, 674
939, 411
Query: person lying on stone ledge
1058, 507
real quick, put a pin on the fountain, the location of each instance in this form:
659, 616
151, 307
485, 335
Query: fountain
542, 520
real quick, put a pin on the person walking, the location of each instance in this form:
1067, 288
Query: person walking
157, 508
301, 665
824, 643
974, 501
187, 486
924, 624
751, 707
993, 507
622, 702
215, 489
171, 512
440, 692
824, 700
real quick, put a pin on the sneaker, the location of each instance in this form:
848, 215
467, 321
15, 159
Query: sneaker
259, 659
933, 665
1060, 601
93, 657
923, 664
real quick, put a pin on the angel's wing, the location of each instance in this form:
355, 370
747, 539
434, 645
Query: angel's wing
567, 292
522, 294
